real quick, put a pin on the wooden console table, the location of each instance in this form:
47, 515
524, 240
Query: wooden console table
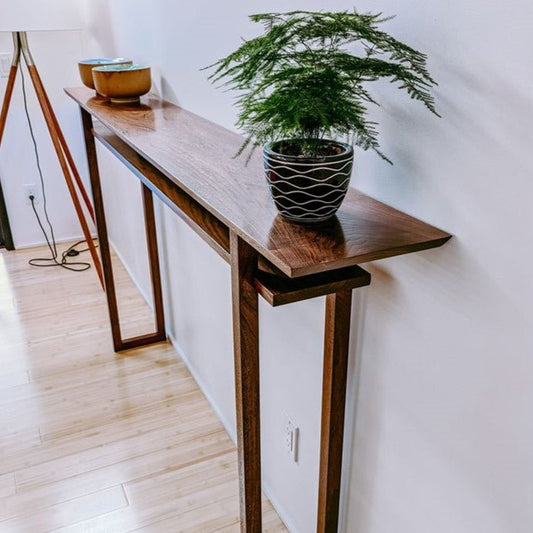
187, 162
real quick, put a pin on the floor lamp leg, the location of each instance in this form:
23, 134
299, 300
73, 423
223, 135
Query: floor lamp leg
10, 84
41, 96
7, 99
66, 151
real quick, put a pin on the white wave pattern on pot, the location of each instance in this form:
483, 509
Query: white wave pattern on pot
315, 166
321, 201
321, 185
301, 196
318, 214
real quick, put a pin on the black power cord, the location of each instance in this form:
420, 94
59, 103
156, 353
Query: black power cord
53, 260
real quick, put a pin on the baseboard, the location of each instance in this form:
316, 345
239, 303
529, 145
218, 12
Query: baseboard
63, 240
270, 494
225, 422
147, 299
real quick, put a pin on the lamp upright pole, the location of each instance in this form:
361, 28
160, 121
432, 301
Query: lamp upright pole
20, 41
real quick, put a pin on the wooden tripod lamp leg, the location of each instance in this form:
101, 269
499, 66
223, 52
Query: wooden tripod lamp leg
7, 99
10, 84
66, 149
55, 134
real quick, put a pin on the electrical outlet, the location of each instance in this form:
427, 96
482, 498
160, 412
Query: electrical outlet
31, 189
292, 437
5, 64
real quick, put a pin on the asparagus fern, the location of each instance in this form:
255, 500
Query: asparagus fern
306, 77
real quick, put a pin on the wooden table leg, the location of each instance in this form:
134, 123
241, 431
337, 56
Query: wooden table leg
246, 347
101, 228
153, 257
336, 345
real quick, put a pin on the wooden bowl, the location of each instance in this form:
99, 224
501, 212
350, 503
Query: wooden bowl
86, 67
122, 84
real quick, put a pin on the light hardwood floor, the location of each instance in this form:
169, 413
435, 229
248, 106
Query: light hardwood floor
93, 441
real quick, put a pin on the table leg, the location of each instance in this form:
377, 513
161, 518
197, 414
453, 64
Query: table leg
101, 228
153, 256
246, 347
336, 346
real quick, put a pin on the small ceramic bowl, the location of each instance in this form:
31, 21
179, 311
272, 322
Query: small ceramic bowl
123, 84
86, 67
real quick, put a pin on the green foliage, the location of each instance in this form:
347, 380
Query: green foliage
305, 77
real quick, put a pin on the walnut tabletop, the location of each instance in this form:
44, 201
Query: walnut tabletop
197, 156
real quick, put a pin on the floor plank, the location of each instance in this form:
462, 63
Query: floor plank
72, 510
7, 485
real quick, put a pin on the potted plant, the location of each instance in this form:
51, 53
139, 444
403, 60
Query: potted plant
302, 93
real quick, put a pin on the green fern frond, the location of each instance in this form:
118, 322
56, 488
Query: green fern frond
305, 77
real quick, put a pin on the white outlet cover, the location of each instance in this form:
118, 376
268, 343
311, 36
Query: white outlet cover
32, 190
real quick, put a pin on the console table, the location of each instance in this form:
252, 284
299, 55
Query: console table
187, 162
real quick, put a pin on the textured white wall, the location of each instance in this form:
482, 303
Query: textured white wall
56, 54
441, 417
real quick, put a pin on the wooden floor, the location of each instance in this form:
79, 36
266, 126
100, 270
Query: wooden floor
92, 441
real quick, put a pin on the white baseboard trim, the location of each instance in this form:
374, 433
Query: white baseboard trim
147, 299
225, 422
282, 513
26, 245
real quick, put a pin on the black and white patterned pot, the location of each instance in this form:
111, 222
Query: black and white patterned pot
308, 190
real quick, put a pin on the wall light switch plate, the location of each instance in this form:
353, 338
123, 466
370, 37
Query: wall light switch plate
5, 64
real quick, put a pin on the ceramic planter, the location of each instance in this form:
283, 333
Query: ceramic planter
308, 190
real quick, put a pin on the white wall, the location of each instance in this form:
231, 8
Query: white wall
441, 417
56, 54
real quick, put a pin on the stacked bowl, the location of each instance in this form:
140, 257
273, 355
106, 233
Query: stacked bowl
116, 78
